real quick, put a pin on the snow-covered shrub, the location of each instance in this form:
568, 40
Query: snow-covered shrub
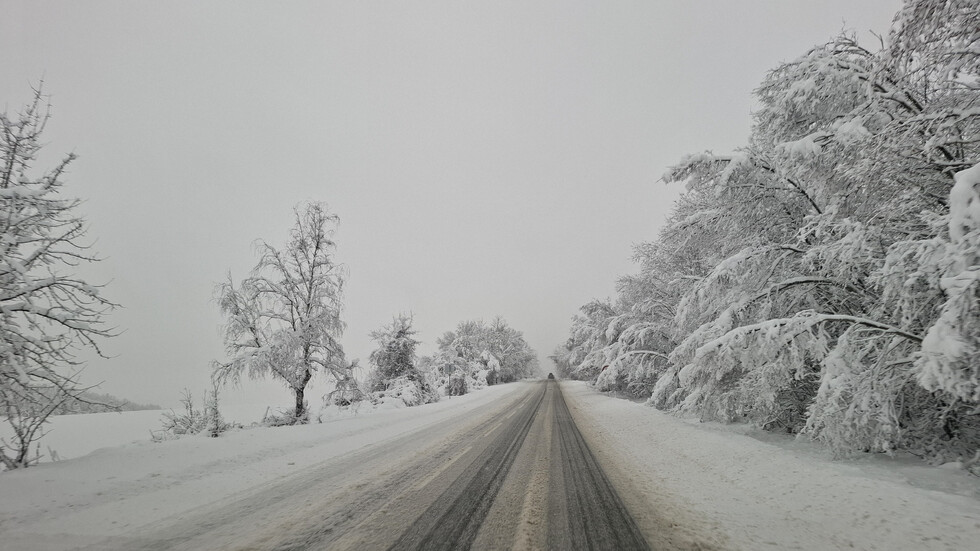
760, 373
190, 420
404, 391
950, 359
346, 391
285, 418
476, 355
450, 374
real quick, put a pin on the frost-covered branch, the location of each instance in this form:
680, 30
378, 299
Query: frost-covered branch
47, 314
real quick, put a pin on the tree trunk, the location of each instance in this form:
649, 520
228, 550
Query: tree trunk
300, 410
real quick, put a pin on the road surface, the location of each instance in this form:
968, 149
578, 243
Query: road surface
516, 474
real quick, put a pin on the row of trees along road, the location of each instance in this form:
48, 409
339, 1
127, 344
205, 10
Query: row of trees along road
472, 356
824, 279
283, 320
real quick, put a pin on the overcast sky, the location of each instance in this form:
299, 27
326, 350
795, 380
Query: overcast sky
485, 158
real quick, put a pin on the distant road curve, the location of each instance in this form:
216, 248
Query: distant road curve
516, 474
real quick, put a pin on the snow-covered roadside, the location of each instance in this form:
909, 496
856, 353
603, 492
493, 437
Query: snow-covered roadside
731, 491
72, 436
116, 489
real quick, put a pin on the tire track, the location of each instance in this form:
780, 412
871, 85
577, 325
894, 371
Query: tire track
516, 475
596, 517
453, 521
584, 510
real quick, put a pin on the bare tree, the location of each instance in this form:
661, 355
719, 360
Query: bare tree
47, 314
284, 320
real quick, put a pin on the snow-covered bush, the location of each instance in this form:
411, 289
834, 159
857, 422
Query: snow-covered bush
190, 420
950, 359
406, 391
453, 375
285, 418
456, 385
346, 391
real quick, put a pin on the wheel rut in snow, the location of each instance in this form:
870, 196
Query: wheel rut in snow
596, 517
453, 521
584, 511
511, 475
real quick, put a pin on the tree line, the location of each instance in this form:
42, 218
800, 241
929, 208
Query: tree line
825, 278
284, 320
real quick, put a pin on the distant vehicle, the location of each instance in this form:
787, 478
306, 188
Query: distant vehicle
551, 375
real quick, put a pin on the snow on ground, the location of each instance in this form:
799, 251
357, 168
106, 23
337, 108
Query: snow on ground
69, 436
722, 487
72, 436
733, 488
114, 489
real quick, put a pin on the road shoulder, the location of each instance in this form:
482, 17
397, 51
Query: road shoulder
721, 489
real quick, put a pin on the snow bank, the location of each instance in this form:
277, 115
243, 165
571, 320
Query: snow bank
727, 490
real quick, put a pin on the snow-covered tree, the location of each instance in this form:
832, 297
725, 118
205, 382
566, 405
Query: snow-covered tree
823, 279
395, 370
496, 349
284, 320
452, 374
477, 354
346, 390
395, 355
48, 315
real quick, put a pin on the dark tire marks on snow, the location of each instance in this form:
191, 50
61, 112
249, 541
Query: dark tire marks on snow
453, 521
584, 512
511, 474
594, 515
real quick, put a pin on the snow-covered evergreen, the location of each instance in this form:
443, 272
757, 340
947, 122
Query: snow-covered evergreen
395, 374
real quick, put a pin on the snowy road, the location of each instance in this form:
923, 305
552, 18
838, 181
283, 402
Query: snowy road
513, 473
425, 476
555, 494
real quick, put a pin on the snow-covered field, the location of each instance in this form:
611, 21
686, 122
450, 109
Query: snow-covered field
719, 487
111, 491
72, 436
728, 487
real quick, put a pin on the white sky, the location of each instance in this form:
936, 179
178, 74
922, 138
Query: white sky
485, 158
